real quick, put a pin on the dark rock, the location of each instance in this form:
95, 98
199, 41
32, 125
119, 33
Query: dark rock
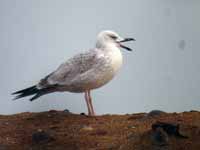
170, 129
160, 137
155, 113
194, 111
67, 111
41, 137
82, 114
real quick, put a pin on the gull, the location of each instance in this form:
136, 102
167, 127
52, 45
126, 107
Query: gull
85, 71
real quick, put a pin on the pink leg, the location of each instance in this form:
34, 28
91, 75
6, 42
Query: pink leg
90, 102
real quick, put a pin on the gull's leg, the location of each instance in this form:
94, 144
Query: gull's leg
90, 102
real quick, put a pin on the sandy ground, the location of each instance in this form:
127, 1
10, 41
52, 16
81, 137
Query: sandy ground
61, 130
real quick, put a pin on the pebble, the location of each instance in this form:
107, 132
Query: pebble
87, 128
82, 113
131, 127
67, 111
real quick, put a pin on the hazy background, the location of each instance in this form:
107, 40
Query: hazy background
163, 71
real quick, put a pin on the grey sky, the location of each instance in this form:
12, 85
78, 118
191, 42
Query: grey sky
161, 73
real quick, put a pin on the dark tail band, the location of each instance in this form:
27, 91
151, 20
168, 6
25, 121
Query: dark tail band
33, 90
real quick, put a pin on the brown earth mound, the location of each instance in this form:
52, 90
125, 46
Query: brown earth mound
61, 130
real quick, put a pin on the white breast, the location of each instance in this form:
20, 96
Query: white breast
108, 70
116, 59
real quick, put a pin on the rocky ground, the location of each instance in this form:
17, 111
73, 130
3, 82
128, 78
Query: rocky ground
61, 130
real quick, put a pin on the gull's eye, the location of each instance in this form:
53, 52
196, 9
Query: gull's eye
113, 37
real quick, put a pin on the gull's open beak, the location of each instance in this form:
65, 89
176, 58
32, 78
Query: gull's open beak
125, 40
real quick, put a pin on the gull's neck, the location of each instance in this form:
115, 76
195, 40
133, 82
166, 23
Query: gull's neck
107, 46
113, 53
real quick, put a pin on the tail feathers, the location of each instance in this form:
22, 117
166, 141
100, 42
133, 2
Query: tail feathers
36, 96
25, 90
33, 90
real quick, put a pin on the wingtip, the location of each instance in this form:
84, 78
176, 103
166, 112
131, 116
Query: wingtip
34, 97
15, 98
13, 93
17, 92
